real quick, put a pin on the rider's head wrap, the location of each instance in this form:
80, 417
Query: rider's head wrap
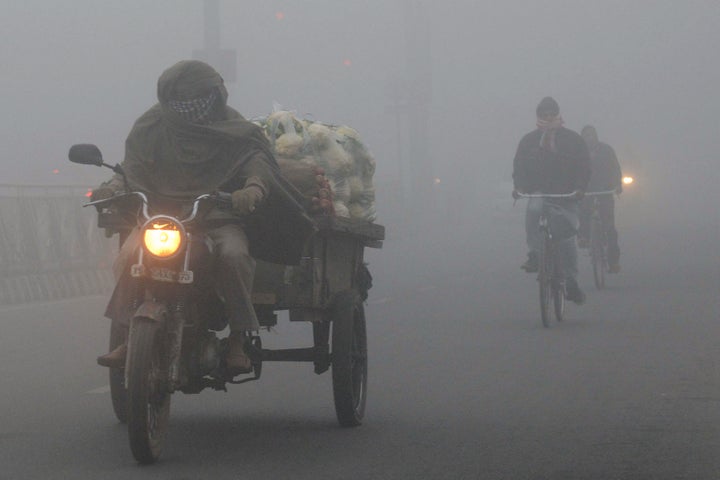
193, 91
195, 110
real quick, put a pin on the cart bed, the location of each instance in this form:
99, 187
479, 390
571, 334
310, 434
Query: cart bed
332, 262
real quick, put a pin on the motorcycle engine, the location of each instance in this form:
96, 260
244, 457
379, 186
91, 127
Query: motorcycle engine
207, 355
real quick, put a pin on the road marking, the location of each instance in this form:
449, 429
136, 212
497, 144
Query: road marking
99, 390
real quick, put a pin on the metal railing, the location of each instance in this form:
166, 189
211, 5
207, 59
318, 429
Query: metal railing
50, 247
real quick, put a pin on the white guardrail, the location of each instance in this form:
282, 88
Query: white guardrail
50, 247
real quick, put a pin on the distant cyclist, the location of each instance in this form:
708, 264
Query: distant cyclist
552, 160
606, 175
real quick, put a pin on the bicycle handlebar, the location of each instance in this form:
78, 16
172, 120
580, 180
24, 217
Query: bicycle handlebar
546, 195
598, 194
564, 195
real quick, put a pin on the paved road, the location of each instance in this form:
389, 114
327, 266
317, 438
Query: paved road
465, 383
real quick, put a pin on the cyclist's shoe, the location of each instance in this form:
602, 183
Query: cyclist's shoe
614, 268
573, 292
583, 242
531, 265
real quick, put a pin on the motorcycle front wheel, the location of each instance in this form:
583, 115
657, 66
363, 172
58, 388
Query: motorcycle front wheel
118, 393
147, 395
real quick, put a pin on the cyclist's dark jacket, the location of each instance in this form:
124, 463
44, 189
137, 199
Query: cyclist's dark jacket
606, 173
539, 170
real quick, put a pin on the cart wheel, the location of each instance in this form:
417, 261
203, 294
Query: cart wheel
118, 393
349, 360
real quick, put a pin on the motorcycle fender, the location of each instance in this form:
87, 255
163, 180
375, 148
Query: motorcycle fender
152, 310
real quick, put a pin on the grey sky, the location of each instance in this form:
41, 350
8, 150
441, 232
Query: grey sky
644, 72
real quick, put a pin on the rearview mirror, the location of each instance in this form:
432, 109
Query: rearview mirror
86, 154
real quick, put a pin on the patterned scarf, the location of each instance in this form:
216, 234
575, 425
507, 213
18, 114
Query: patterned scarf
548, 127
196, 110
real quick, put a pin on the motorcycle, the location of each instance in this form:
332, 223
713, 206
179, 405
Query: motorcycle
175, 313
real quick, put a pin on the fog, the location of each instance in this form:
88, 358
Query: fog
642, 72
441, 93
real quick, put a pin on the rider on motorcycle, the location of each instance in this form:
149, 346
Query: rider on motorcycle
191, 143
552, 160
606, 176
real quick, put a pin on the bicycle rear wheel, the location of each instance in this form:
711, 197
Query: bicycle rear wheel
559, 300
545, 274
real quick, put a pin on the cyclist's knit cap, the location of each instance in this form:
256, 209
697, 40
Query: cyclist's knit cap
548, 105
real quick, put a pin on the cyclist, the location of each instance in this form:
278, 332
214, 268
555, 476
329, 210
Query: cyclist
553, 160
606, 175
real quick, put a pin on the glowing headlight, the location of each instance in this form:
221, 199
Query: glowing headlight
628, 180
163, 237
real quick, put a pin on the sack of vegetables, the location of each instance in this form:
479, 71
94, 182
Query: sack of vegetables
329, 164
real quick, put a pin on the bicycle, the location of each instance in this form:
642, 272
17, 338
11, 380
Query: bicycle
598, 240
551, 277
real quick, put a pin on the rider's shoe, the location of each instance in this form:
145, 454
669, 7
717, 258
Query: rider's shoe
614, 268
114, 359
237, 360
573, 292
532, 264
583, 242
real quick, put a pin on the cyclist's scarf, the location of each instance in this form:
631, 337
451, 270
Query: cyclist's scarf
548, 127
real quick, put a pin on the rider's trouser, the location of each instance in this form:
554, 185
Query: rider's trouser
606, 209
563, 220
234, 273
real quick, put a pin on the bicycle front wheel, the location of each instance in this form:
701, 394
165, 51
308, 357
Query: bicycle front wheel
597, 255
545, 274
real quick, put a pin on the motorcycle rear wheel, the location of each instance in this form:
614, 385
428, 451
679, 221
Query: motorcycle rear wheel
148, 397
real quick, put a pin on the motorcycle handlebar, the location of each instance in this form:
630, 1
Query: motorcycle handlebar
222, 200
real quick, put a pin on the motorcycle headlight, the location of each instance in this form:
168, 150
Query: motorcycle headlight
627, 180
163, 237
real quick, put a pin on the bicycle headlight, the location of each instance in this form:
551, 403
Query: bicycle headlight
163, 237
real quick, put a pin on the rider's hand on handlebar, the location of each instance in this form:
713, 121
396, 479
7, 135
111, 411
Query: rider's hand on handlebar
101, 193
245, 200
579, 194
515, 194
